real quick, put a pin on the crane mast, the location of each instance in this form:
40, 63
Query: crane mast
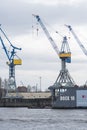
64, 78
12, 62
77, 39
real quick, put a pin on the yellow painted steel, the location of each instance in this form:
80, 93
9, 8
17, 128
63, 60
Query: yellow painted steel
17, 61
64, 55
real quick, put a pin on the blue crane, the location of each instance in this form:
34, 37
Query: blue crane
11, 60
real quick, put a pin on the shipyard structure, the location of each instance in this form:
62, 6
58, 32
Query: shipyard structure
65, 93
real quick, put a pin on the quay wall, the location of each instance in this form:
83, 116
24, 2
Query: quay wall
30, 103
30, 100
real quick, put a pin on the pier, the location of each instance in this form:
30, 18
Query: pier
30, 100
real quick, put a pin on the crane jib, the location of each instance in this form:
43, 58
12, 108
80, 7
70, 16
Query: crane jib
77, 39
47, 34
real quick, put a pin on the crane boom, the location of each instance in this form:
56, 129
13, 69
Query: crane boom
9, 40
4, 48
77, 39
47, 34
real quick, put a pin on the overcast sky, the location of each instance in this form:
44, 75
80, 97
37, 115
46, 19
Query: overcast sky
38, 57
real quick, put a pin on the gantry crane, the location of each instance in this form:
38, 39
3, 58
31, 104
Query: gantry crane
64, 78
77, 39
12, 62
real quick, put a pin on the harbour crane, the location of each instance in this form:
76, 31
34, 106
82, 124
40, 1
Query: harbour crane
64, 78
77, 39
12, 62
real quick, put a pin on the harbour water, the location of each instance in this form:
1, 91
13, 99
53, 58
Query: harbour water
43, 119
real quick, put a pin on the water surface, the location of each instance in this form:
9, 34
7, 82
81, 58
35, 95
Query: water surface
42, 119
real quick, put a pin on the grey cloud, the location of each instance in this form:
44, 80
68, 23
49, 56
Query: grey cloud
16, 16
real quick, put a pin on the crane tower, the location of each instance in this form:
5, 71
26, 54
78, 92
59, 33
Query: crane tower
12, 62
64, 79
